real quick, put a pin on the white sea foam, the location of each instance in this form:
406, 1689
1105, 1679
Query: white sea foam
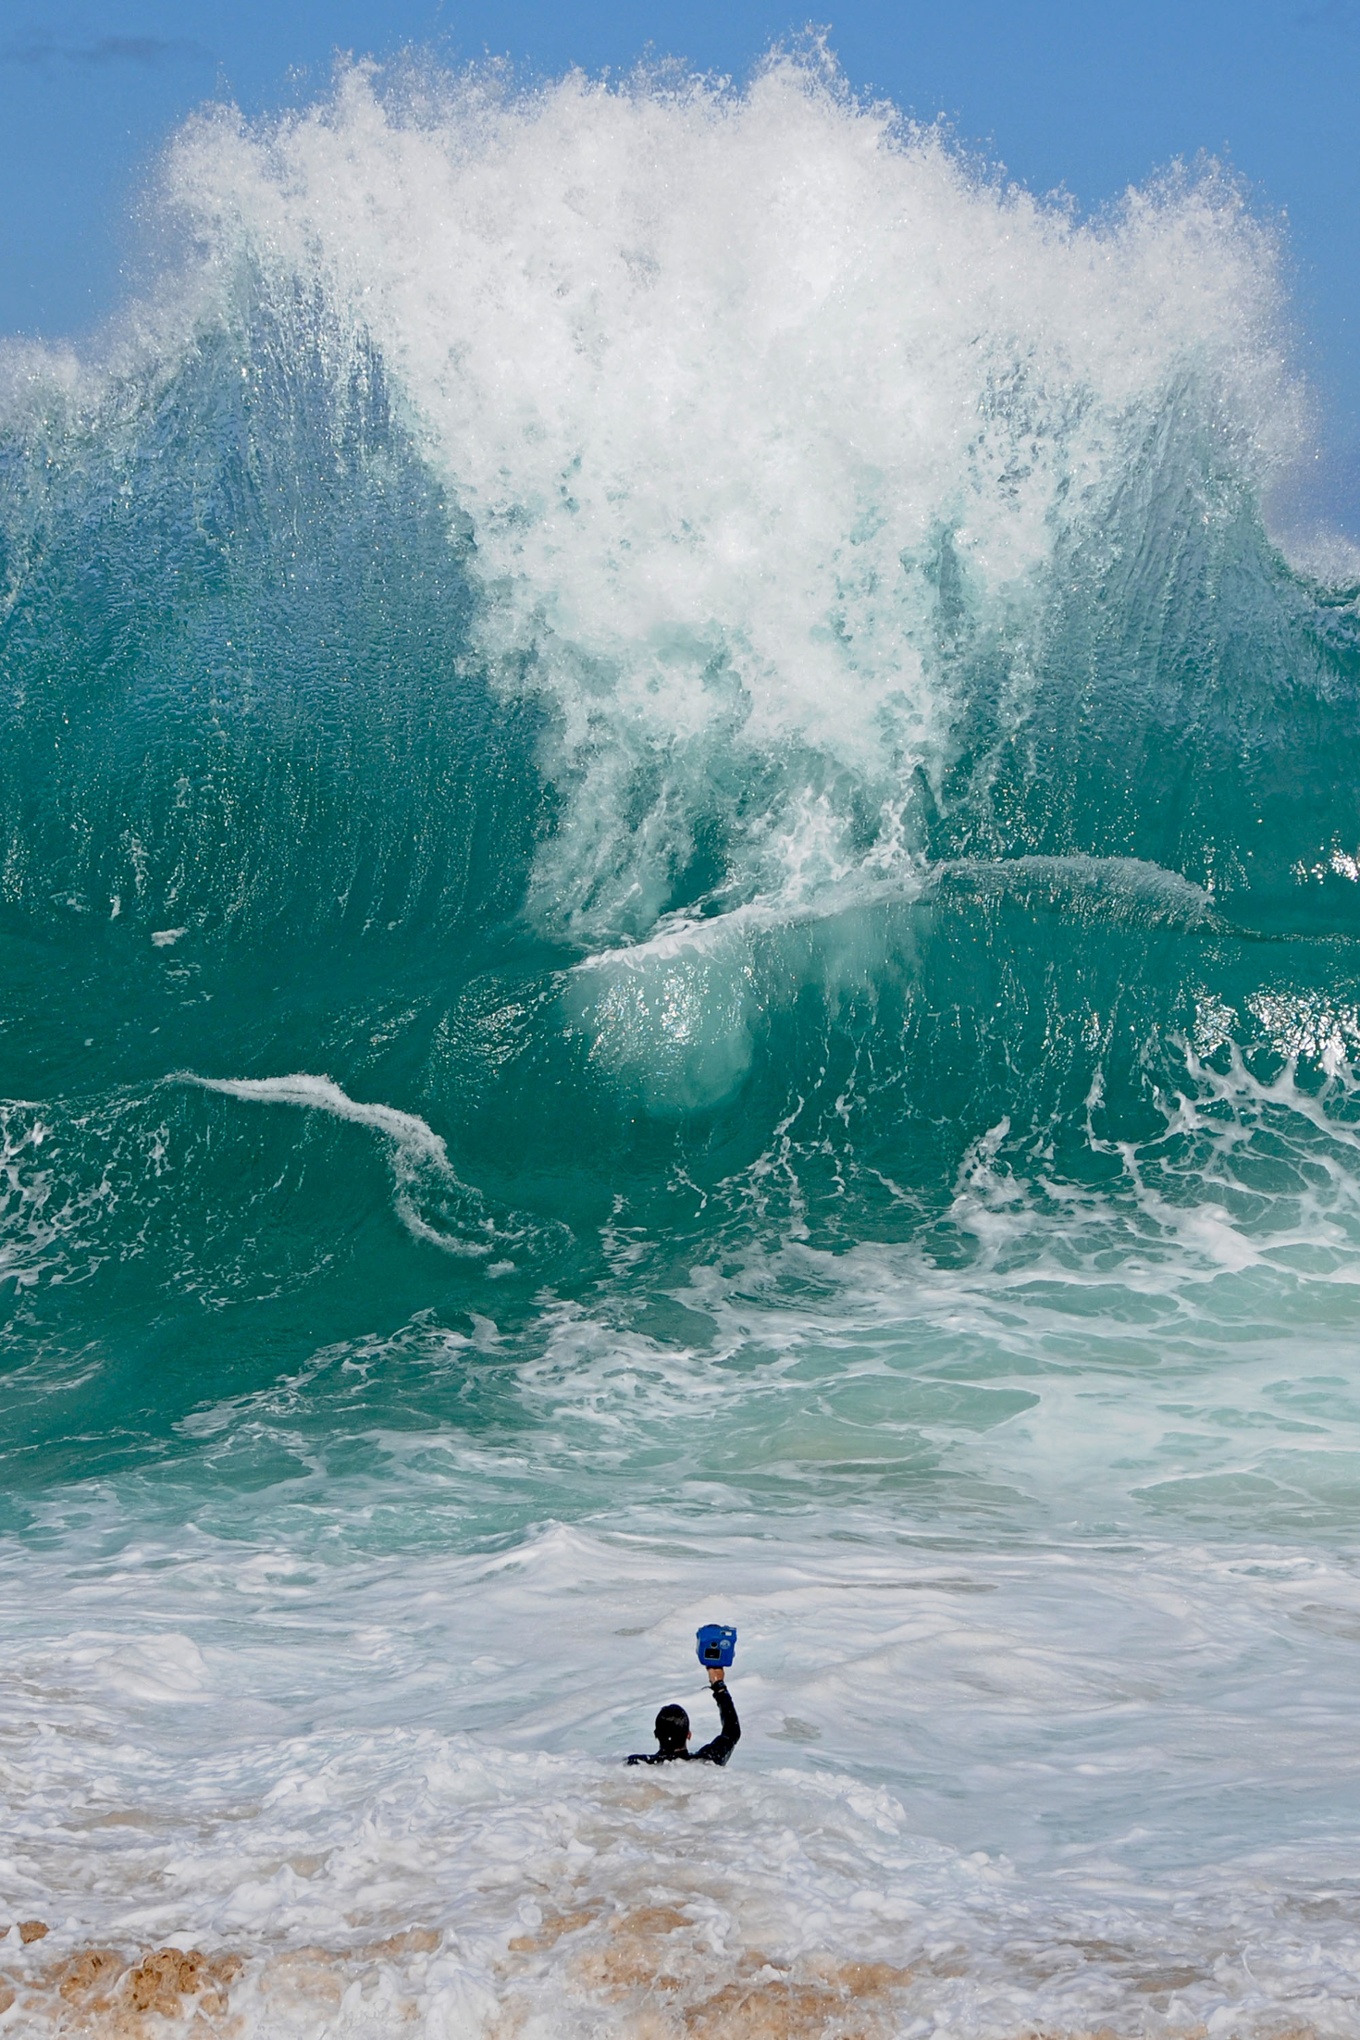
1017, 1720
401, 1799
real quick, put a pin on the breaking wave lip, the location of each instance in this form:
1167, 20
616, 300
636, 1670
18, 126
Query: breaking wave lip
1122, 885
417, 1151
685, 933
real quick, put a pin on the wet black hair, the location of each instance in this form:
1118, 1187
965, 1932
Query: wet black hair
672, 1727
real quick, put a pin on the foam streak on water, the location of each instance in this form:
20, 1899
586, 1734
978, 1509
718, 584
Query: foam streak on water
716, 686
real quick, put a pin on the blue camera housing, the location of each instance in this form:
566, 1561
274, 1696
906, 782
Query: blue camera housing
716, 1644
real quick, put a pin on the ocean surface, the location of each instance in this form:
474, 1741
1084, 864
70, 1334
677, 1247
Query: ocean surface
679, 940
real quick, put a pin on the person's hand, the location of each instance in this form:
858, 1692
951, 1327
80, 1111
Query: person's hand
715, 1675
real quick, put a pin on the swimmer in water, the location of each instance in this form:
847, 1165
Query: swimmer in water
673, 1731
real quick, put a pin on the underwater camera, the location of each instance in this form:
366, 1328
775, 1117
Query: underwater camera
716, 1645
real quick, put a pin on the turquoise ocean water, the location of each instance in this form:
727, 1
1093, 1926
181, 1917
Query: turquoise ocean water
679, 892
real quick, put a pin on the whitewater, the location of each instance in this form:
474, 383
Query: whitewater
680, 882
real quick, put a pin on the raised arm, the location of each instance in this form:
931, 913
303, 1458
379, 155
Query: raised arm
723, 1744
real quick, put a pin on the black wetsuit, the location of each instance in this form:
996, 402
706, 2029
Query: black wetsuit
715, 1752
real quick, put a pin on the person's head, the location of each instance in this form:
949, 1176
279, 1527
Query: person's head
672, 1729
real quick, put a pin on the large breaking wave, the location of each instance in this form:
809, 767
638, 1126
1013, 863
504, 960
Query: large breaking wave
660, 626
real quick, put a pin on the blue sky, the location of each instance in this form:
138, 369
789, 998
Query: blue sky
1090, 97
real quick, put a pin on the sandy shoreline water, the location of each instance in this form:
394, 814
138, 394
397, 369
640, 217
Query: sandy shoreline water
643, 1973
649, 1974
659, 1971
